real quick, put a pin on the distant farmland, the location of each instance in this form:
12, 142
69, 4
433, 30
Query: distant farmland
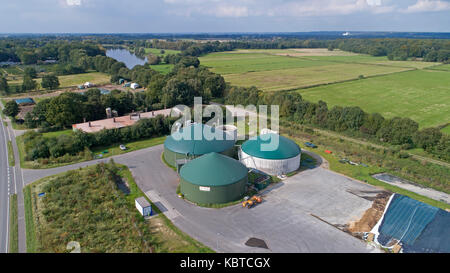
275, 70
422, 95
414, 89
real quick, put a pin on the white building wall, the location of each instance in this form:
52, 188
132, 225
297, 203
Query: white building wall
271, 166
139, 207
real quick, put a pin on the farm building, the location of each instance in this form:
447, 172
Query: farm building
283, 158
118, 122
213, 179
192, 141
143, 206
87, 85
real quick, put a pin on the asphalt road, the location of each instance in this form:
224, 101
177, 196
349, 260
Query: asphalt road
5, 174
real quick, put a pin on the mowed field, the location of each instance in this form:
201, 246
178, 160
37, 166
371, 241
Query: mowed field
275, 70
74, 80
445, 67
422, 95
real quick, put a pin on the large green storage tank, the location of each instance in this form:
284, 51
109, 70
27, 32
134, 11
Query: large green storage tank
271, 153
213, 179
196, 140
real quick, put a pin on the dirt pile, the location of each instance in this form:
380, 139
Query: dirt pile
371, 216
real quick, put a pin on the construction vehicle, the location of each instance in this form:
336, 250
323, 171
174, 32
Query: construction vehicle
251, 202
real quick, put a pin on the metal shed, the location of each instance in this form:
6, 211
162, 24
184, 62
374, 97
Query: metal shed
213, 179
271, 153
143, 206
193, 141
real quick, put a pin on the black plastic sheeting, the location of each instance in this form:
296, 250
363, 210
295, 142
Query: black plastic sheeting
406, 218
422, 228
435, 237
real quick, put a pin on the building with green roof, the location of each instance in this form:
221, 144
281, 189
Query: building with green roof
196, 140
271, 153
213, 179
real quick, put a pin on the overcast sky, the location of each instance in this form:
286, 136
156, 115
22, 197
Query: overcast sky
153, 16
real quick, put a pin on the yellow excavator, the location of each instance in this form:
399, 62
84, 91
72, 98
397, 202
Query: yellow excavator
251, 202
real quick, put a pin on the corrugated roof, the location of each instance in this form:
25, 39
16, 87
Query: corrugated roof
24, 100
185, 141
286, 148
143, 202
213, 169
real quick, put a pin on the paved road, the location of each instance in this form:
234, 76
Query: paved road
5, 174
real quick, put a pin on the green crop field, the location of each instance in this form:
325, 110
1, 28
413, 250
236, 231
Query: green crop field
422, 95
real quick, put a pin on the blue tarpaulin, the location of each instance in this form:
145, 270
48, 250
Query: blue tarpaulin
25, 100
406, 218
435, 237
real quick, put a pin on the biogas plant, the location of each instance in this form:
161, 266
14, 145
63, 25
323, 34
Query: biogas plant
214, 169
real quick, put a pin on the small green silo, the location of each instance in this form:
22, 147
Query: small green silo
213, 179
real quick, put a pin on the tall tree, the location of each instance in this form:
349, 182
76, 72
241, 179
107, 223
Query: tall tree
50, 82
11, 109
28, 83
30, 71
4, 85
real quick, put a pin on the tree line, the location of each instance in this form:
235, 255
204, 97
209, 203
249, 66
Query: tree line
352, 120
430, 50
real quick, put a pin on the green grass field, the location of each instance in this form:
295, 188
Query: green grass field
421, 95
287, 69
446, 130
289, 79
238, 63
156, 51
444, 67
73, 80
163, 68
58, 133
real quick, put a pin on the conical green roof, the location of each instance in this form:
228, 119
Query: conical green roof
285, 149
213, 169
185, 140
